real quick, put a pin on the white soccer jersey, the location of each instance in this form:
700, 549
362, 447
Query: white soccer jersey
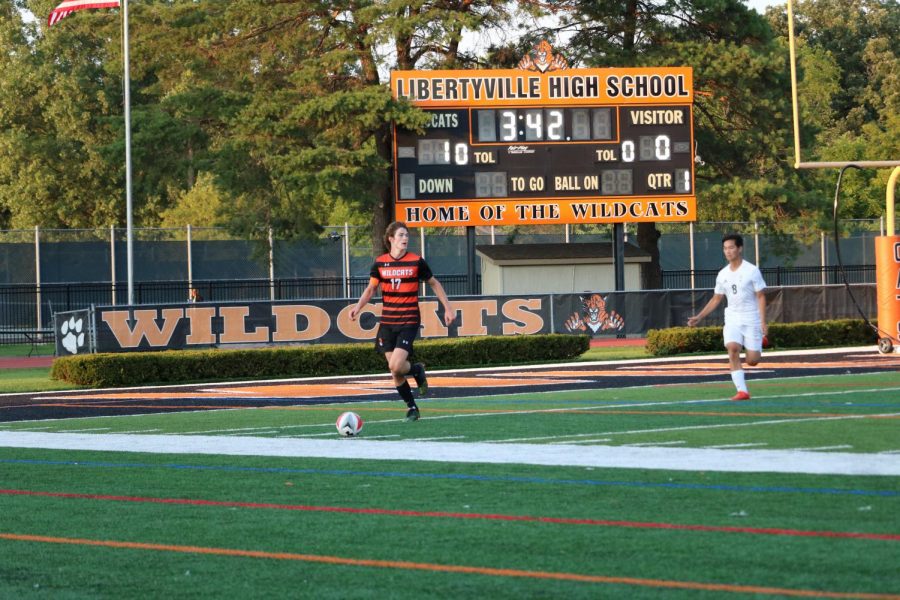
739, 288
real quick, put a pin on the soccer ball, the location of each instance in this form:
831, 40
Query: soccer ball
349, 424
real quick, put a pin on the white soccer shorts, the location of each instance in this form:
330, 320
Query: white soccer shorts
748, 335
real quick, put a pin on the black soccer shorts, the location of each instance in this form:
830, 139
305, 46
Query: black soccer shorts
390, 337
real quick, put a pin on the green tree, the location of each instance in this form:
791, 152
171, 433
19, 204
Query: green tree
741, 110
202, 205
61, 93
55, 97
305, 119
849, 93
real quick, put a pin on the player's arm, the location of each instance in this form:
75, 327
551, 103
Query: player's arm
710, 306
364, 299
449, 313
761, 303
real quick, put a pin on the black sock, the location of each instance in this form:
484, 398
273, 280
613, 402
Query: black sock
415, 369
406, 393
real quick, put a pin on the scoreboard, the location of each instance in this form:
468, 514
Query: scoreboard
513, 147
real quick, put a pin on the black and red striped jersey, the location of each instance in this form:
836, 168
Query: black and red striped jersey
399, 279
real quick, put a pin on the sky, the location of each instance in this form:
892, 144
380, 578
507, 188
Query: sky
761, 5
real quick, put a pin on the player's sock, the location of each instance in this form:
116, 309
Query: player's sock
418, 372
406, 393
739, 382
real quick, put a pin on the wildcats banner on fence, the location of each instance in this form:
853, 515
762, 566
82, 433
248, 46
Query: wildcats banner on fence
261, 323
596, 314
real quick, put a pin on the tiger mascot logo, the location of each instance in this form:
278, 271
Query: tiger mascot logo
594, 316
544, 60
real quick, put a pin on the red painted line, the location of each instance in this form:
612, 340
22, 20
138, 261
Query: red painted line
454, 515
434, 567
25, 362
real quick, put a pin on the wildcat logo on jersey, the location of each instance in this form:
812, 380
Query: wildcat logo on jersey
389, 273
594, 316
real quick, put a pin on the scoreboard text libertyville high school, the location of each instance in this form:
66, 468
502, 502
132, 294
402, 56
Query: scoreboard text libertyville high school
514, 147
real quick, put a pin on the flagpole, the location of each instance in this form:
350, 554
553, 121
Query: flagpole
128, 212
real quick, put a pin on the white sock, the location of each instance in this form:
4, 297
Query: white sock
738, 378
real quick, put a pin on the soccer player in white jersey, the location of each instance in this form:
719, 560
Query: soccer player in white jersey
745, 316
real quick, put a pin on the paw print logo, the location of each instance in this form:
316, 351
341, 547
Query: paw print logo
72, 334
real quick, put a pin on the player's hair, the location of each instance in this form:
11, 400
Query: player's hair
391, 230
736, 238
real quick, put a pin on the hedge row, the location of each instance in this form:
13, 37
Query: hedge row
681, 340
184, 366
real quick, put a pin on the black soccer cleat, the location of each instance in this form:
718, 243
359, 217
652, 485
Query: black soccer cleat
412, 414
418, 372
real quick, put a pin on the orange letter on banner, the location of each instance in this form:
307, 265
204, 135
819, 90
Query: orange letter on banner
201, 325
234, 328
286, 323
470, 312
144, 326
353, 329
516, 310
432, 324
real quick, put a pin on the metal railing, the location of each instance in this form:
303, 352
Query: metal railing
19, 303
774, 276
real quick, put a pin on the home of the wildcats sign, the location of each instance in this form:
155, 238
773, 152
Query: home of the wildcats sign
545, 144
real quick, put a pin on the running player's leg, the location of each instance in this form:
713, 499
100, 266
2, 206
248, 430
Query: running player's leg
734, 341
402, 365
401, 339
398, 360
753, 342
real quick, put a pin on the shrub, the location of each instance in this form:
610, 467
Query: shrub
183, 366
840, 332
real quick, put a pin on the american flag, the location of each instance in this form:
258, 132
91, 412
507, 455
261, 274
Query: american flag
70, 6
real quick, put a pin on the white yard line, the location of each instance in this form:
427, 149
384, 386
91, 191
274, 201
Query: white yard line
140, 431
644, 444
84, 430
747, 445
680, 459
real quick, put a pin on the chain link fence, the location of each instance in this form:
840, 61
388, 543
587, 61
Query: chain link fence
47, 270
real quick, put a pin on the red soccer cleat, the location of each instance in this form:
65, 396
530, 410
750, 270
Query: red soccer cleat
741, 396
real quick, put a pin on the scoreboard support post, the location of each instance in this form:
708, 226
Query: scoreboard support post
471, 273
619, 259
619, 255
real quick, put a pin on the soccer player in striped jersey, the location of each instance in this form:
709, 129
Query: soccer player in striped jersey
399, 272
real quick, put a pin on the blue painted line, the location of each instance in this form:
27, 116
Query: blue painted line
464, 477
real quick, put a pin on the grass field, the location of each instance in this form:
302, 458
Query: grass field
113, 524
